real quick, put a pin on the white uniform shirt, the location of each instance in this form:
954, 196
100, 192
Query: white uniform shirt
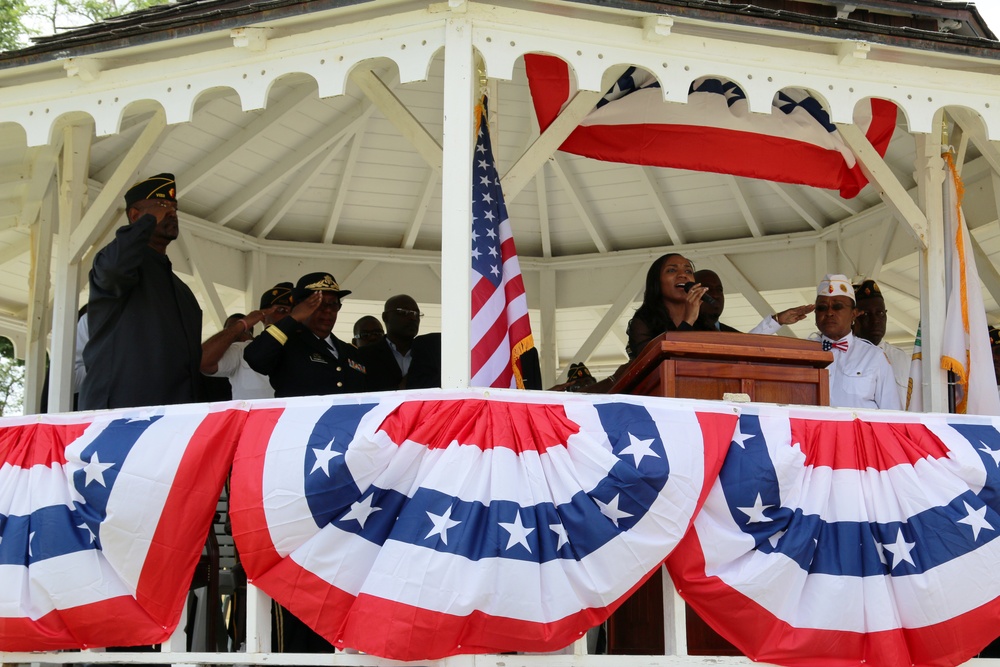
900, 361
245, 381
861, 377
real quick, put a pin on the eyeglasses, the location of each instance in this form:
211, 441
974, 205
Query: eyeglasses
406, 312
330, 305
836, 307
368, 335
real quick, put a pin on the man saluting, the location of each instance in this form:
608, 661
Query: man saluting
145, 324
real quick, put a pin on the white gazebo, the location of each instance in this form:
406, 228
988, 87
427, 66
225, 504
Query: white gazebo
335, 135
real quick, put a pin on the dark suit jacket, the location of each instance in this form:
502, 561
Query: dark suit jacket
380, 363
299, 364
425, 368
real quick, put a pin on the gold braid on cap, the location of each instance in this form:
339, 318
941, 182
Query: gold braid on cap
327, 284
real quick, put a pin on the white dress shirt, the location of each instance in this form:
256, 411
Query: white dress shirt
861, 377
246, 382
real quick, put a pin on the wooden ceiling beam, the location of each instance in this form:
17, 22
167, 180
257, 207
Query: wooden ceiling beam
340, 196
892, 192
343, 124
419, 214
744, 206
659, 202
580, 205
269, 118
396, 113
301, 180
104, 208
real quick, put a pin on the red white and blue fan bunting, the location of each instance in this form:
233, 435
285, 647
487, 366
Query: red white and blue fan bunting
714, 131
833, 541
102, 519
455, 523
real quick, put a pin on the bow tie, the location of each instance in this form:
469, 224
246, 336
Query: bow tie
839, 345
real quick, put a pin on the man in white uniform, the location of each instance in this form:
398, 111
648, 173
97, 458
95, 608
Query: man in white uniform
860, 375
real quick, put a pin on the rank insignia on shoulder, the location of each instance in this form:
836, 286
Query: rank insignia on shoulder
356, 366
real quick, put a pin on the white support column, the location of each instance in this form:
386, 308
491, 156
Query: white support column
38, 302
929, 174
73, 186
256, 273
258, 635
456, 203
549, 351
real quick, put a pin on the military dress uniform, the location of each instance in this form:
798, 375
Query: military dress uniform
300, 364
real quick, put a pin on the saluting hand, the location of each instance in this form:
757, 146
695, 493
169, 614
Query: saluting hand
301, 312
796, 314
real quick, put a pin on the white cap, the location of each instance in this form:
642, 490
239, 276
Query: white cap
835, 284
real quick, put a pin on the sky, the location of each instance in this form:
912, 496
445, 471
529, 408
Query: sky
990, 11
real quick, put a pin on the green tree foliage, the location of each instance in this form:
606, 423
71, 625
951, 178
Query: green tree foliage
11, 380
19, 19
65, 14
11, 26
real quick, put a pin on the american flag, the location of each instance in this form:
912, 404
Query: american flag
501, 332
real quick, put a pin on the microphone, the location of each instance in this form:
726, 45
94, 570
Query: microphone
704, 297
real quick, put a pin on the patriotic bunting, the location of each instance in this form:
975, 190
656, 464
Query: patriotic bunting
714, 131
416, 526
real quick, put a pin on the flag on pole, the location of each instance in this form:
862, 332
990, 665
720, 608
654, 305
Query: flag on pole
714, 131
503, 350
966, 345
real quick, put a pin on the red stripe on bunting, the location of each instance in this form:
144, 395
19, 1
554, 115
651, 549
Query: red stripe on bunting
484, 424
246, 504
187, 516
765, 638
118, 621
877, 446
37, 444
404, 632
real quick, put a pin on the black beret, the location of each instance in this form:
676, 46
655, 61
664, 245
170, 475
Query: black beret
279, 295
866, 290
161, 186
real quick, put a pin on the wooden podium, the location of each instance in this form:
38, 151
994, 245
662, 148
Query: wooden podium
707, 365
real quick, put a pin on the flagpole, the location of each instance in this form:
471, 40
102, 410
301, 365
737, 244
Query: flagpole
456, 204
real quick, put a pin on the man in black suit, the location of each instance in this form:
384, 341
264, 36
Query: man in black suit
387, 362
299, 353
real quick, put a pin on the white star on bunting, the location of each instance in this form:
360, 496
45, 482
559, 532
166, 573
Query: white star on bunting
976, 519
442, 522
323, 457
518, 533
756, 513
361, 510
94, 470
639, 449
611, 510
900, 550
